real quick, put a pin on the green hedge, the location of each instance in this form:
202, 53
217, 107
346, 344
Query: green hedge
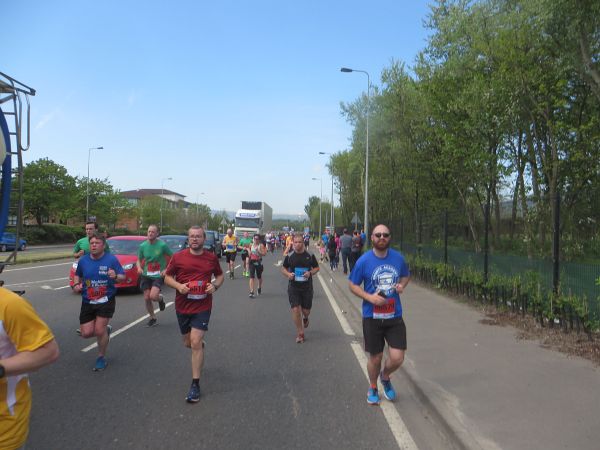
522, 294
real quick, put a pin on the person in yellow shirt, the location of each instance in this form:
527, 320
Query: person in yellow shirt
230, 245
26, 344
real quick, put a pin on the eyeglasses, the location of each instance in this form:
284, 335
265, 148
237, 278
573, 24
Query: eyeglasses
382, 235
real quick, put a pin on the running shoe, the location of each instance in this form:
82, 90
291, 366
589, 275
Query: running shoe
152, 322
259, 291
300, 338
108, 330
194, 394
78, 331
251, 295
161, 302
305, 322
388, 389
100, 364
373, 396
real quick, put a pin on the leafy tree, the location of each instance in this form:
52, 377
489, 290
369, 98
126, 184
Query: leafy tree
48, 190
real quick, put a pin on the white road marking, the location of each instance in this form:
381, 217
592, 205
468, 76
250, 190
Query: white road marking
63, 287
40, 267
35, 282
235, 267
336, 309
114, 334
395, 422
45, 287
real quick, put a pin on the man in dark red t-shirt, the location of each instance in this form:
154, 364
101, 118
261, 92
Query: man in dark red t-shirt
190, 273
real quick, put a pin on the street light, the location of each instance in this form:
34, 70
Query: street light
320, 203
332, 220
347, 70
162, 193
87, 184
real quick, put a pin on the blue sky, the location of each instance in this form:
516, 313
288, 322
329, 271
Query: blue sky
231, 99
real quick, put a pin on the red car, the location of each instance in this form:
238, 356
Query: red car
125, 248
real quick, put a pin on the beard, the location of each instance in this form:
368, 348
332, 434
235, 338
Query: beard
382, 244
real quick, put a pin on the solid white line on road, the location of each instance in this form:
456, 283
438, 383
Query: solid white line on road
395, 422
114, 334
35, 282
39, 267
397, 425
336, 309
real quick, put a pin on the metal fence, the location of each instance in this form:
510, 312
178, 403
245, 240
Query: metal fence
575, 278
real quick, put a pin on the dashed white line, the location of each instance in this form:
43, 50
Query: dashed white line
114, 334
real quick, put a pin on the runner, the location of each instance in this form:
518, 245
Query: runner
26, 345
82, 246
257, 251
95, 278
230, 244
299, 266
244, 247
288, 244
190, 272
384, 275
153, 257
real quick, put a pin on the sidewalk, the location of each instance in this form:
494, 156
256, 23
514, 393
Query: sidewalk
493, 390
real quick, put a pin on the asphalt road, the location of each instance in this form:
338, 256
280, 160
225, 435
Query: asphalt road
259, 388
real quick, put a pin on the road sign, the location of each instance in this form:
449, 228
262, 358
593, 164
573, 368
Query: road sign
355, 220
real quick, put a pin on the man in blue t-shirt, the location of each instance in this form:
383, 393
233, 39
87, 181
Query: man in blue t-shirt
95, 278
383, 274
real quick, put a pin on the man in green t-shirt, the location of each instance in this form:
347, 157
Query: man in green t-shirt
82, 246
153, 257
244, 246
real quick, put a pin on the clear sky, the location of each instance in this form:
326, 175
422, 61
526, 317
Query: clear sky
233, 99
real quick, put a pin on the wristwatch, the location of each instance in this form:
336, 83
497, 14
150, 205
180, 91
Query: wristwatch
2, 371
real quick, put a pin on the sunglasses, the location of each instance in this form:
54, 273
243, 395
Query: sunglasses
380, 235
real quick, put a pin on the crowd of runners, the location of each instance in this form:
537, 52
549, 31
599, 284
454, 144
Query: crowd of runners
378, 277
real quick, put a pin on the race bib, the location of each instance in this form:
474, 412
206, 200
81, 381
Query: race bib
230, 247
197, 290
97, 294
385, 311
153, 269
299, 274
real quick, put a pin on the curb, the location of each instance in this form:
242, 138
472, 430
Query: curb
42, 257
427, 394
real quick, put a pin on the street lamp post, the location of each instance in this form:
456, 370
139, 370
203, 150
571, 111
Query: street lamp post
332, 219
347, 70
320, 203
162, 192
87, 184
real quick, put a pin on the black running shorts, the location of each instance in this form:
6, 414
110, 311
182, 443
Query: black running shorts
377, 331
89, 312
149, 283
300, 297
230, 256
197, 320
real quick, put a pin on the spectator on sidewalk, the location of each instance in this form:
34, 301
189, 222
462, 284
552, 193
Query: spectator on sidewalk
345, 247
355, 250
383, 274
